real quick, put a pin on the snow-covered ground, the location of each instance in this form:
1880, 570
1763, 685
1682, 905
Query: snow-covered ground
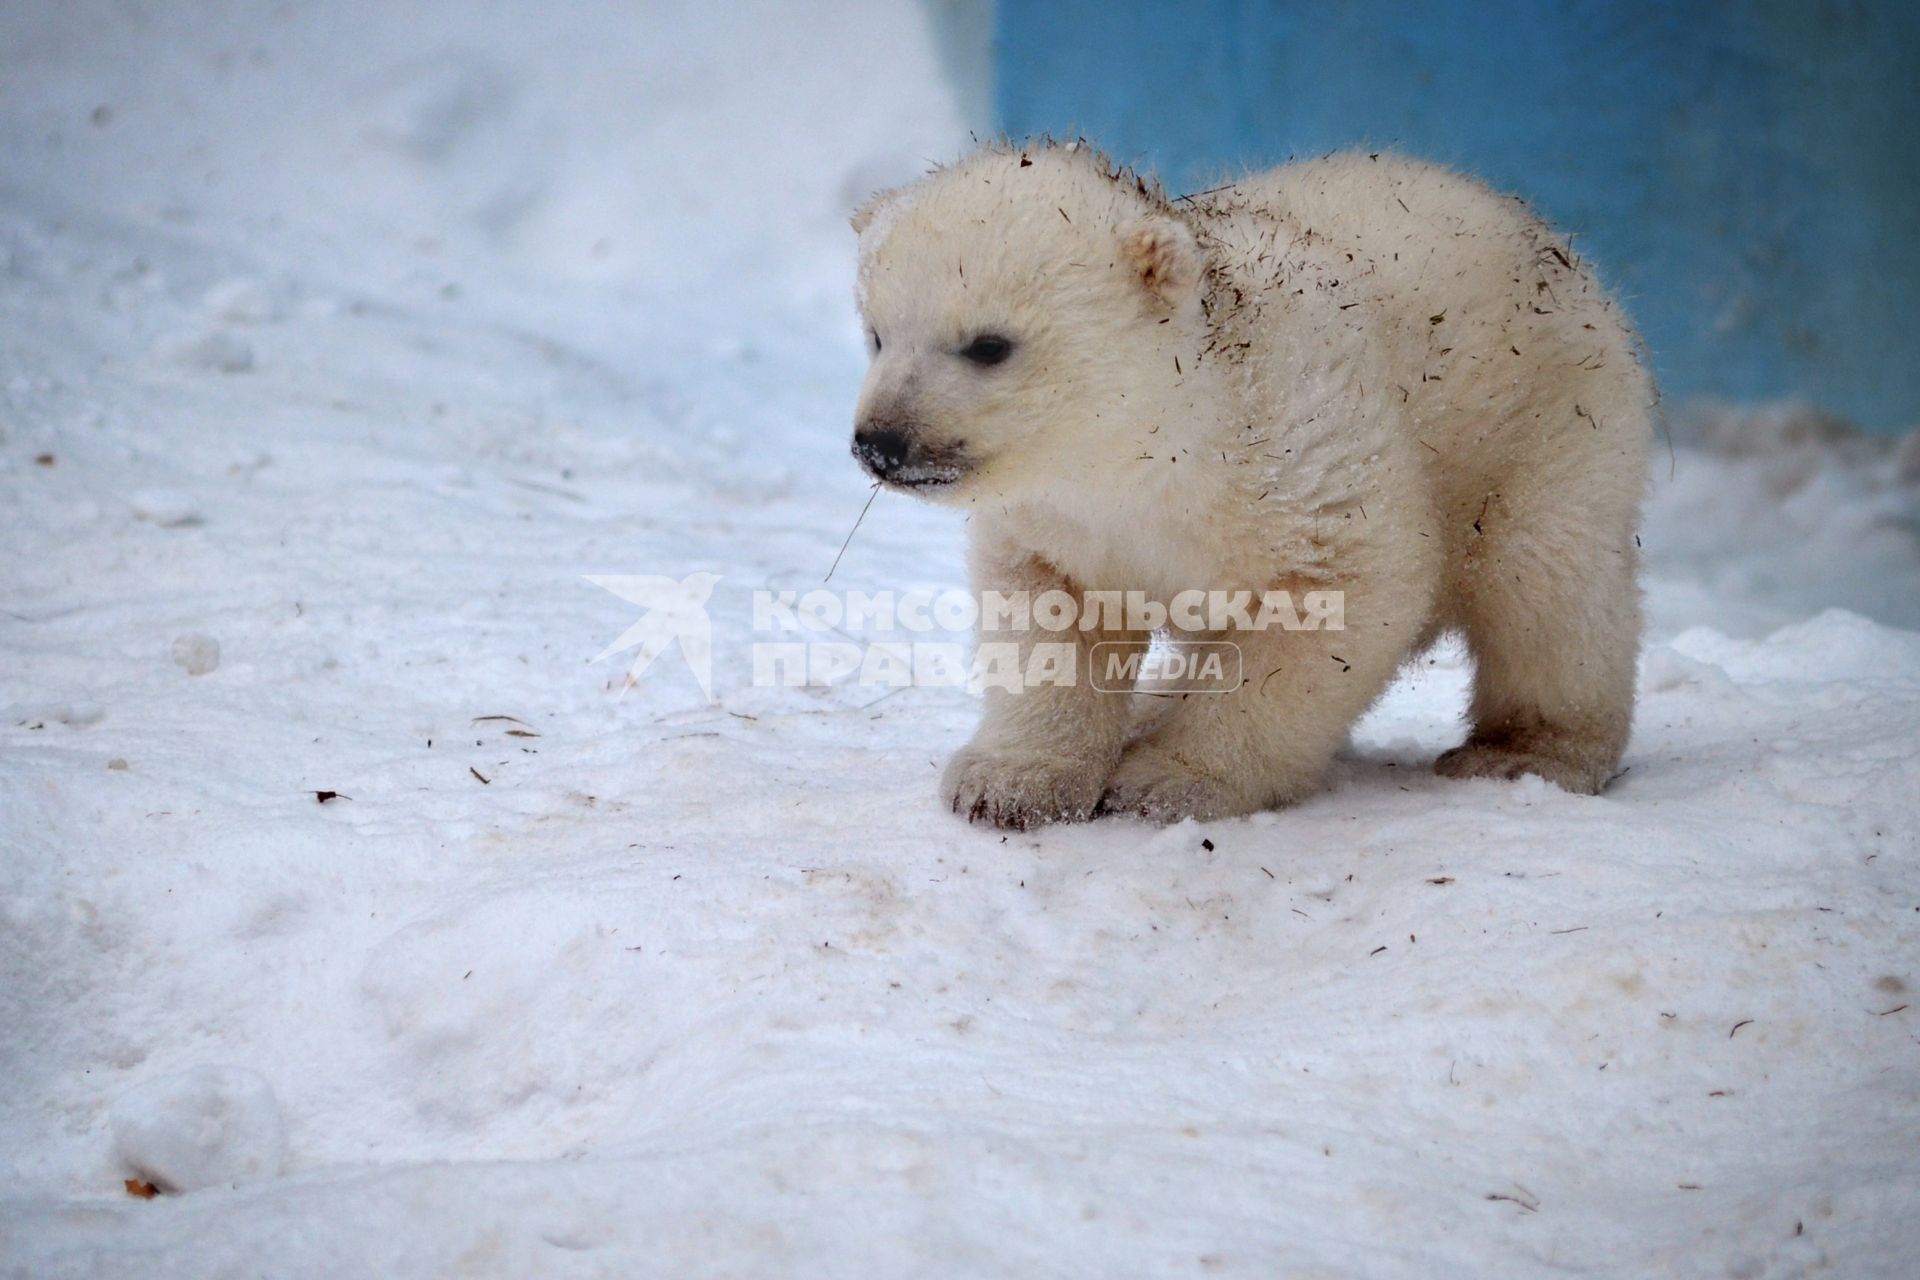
339, 343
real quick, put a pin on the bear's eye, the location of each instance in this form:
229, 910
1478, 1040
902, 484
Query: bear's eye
988, 348
873, 336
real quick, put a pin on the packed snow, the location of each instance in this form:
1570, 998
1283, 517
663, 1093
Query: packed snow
349, 904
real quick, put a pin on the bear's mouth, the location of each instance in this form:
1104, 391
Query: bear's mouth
925, 478
900, 461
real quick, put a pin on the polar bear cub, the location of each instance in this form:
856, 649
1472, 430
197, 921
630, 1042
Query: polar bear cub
1360, 374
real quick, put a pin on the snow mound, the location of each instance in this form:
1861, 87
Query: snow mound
200, 1128
1773, 513
679, 143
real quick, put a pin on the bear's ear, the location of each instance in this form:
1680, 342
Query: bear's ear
863, 216
1163, 255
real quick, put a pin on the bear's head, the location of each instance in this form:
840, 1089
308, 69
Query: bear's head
1022, 308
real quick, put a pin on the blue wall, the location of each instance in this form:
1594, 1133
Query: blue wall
1744, 174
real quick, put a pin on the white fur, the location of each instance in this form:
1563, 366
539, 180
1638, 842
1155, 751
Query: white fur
1360, 373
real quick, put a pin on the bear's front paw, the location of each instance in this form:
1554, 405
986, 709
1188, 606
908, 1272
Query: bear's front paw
1022, 789
1158, 785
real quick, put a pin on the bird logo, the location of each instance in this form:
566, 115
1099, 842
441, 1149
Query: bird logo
676, 612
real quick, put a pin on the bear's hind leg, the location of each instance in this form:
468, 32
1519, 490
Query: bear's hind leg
1552, 617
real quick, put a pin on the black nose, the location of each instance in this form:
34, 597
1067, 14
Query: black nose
882, 450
